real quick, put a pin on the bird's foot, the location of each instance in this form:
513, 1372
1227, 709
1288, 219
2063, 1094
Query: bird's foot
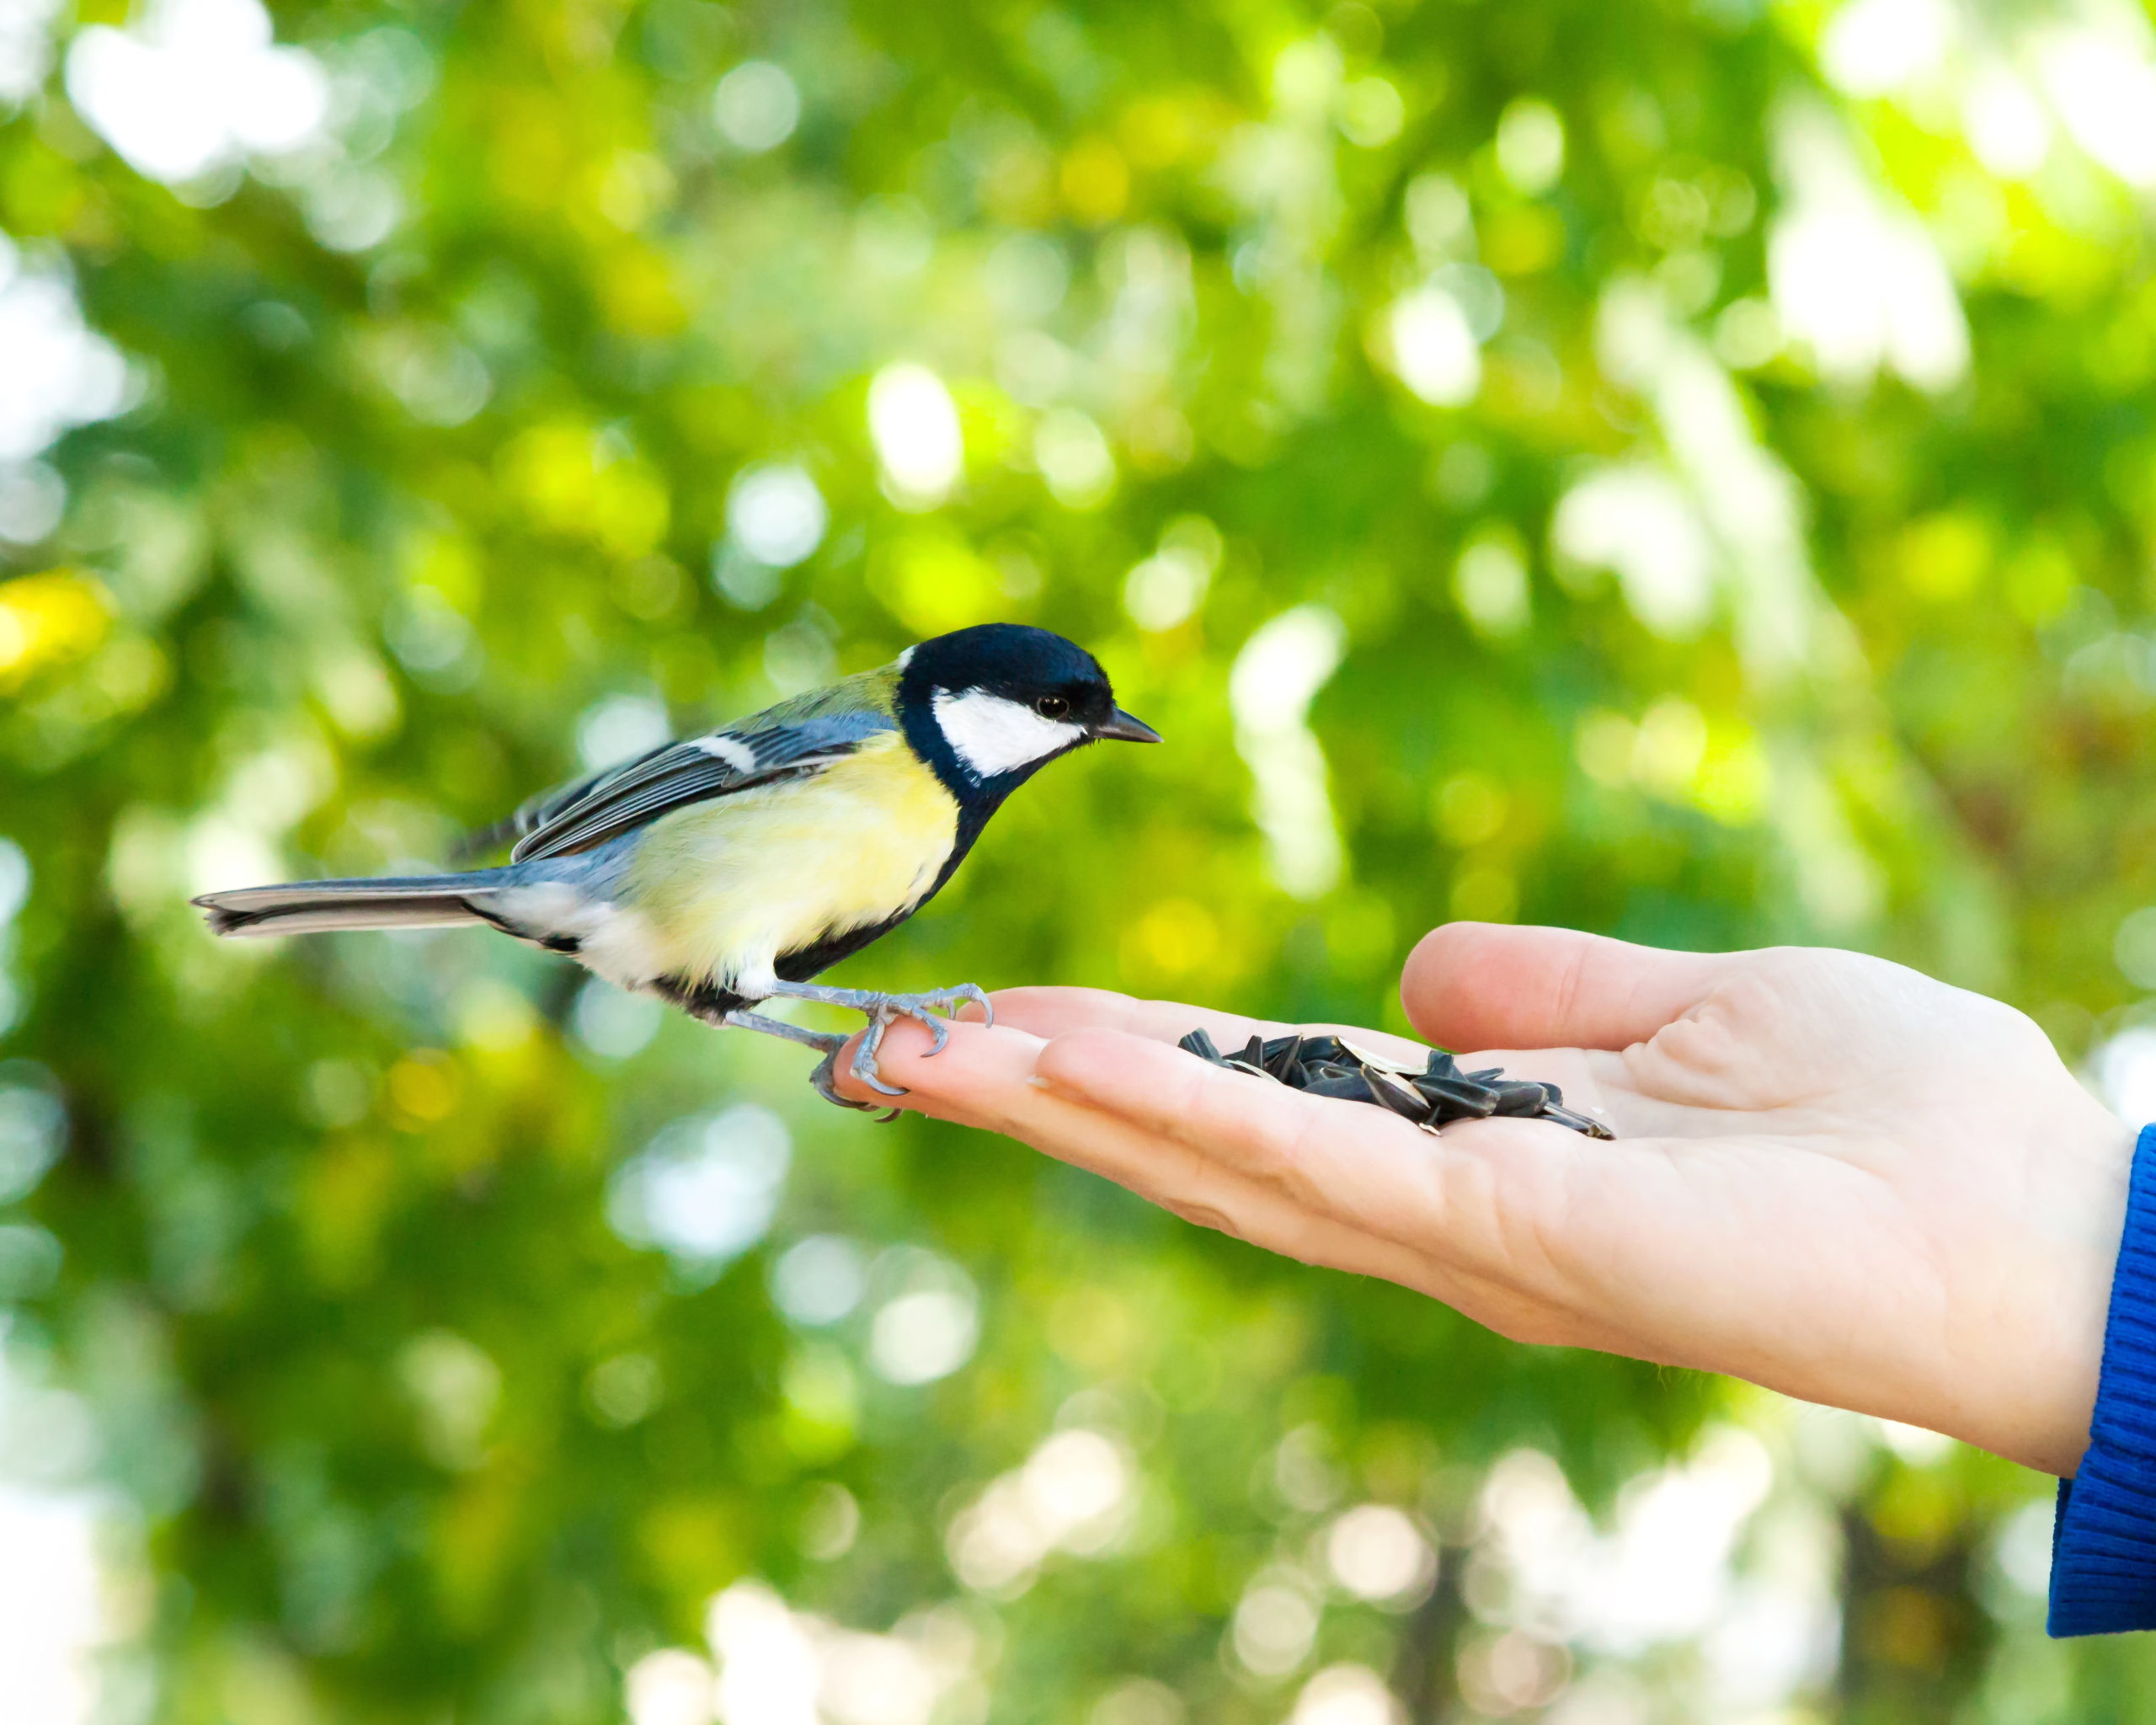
885, 1010
742, 1019
824, 1079
882, 1011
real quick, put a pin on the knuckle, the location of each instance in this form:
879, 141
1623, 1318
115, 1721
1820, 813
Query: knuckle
1203, 1215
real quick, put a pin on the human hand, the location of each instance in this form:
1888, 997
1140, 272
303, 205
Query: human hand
1834, 1177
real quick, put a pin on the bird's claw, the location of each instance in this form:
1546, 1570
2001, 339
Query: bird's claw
885, 1010
922, 1009
863, 1065
882, 1011
824, 1079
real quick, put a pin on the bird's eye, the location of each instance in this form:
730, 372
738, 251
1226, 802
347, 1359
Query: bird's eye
1053, 707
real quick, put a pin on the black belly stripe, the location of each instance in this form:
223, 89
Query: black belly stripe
706, 999
699, 1000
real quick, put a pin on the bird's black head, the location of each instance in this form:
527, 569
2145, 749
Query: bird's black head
988, 706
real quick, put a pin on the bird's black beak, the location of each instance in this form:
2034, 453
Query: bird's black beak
1123, 728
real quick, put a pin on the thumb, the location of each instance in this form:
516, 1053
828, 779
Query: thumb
1483, 985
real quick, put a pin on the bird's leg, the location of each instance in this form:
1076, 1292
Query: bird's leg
829, 1041
883, 1010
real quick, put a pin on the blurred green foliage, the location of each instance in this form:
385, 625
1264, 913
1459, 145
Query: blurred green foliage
1695, 458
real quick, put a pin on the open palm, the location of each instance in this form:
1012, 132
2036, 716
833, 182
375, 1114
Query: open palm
1833, 1176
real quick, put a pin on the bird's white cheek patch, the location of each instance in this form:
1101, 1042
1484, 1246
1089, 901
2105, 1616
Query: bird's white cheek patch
992, 735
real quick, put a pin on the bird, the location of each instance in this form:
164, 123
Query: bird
723, 871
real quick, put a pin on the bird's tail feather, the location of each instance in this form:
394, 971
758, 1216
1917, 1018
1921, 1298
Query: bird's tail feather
316, 906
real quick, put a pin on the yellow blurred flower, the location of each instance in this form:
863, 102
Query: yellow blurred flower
1095, 182
49, 619
935, 581
1943, 557
637, 288
423, 1088
1522, 240
572, 485
1469, 809
1174, 937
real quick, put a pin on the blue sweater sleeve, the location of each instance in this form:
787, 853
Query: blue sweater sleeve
2104, 1541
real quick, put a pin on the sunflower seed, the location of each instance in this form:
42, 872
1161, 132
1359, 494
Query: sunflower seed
1342, 1087
1437, 1093
1520, 1099
1403, 1099
1377, 1063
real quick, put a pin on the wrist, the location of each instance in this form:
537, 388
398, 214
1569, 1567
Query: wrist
2092, 1169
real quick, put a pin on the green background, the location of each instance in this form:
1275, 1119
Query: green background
1721, 469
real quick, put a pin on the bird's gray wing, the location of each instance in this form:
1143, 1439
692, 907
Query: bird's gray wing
537, 811
595, 809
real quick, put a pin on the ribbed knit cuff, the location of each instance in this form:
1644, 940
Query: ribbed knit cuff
2104, 1537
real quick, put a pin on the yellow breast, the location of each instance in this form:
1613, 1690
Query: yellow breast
723, 888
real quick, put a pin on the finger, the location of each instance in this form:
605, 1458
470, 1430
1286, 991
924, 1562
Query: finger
904, 1050
1480, 984
1360, 1164
1183, 1132
1158, 1141
1332, 1161
956, 1076
1485, 1211
1325, 1182
1051, 1011
991, 1079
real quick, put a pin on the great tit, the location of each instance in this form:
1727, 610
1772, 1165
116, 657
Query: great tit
729, 869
